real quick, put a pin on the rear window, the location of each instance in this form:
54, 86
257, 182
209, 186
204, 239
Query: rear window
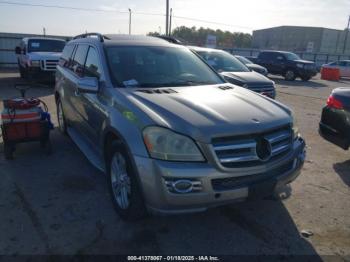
43, 45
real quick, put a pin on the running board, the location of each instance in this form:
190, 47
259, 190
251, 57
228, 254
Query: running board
86, 149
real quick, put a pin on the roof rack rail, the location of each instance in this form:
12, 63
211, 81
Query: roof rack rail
86, 35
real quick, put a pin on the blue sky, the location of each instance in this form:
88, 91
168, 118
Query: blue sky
243, 16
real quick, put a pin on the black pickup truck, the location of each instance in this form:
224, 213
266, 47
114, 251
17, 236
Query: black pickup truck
286, 64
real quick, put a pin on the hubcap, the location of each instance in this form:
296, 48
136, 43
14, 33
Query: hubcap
290, 74
60, 117
120, 181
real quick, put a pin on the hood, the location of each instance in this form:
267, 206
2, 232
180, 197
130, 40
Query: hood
256, 67
44, 55
249, 78
304, 61
204, 112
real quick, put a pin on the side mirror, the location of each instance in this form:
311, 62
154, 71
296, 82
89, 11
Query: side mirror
88, 85
18, 50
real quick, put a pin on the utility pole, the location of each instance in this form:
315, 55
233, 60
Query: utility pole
170, 20
160, 30
167, 18
346, 35
129, 21
44, 31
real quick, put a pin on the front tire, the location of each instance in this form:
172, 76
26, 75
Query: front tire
305, 78
123, 183
289, 75
62, 124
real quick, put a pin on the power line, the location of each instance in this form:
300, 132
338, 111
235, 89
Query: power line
77, 8
211, 22
119, 11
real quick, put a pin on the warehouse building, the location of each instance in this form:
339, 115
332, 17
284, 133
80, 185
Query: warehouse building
302, 39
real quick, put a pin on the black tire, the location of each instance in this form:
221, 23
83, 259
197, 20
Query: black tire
62, 128
305, 78
136, 209
289, 75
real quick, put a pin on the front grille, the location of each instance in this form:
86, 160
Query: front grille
262, 88
248, 150
230, 183
50, 65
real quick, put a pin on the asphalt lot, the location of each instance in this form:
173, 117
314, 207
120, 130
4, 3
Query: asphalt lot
59, 204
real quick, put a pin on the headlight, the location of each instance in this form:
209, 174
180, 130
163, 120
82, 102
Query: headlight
35, 63
295, 128
165, 144
300, 65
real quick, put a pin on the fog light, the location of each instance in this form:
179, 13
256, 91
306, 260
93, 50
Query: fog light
183, 186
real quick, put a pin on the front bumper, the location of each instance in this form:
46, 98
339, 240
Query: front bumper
307, 72
155, 176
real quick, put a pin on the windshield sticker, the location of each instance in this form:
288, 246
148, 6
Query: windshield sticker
131, 82
35, 45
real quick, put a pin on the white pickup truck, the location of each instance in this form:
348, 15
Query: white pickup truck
38, 56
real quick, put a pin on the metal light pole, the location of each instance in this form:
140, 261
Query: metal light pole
346, 35
44, 31
167, 18
170, 21
129, 21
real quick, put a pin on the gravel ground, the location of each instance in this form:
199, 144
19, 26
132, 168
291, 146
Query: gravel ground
59, 204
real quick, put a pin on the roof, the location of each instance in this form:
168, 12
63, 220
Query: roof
203, 49
297, 27
130, 40
42, 38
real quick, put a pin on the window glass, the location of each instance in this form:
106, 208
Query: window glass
66, 56
79, 60
92, 64
223, 61
152, 66
43, 45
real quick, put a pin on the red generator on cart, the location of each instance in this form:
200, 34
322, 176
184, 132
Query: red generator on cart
25, 120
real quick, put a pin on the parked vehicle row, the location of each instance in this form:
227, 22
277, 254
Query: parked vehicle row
170, 133
255, 67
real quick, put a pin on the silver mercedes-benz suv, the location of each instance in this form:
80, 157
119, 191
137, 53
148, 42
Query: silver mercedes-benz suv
169, 132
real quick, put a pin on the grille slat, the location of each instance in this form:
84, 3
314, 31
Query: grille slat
50, 65
242, 151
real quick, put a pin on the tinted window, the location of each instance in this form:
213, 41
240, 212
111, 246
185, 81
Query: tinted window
223, 61
79, 59
265, 55
147, 66
43, 45
66, 55
92, 65
292, 56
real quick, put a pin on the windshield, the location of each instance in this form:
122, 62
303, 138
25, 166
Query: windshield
292, 56
43, 45
223, 62
244, 60
149, 66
